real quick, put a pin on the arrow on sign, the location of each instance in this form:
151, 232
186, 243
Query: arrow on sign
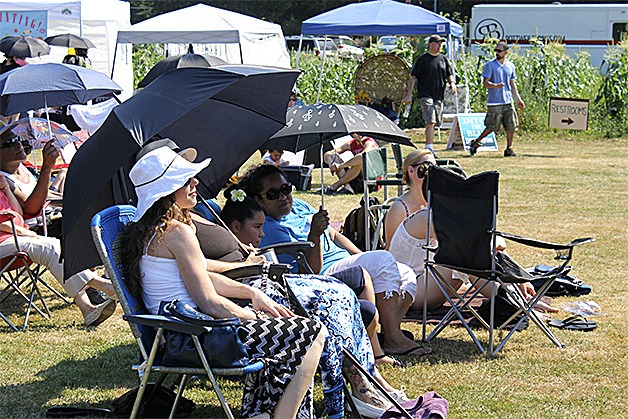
567, 121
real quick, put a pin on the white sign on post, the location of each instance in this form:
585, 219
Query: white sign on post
568, 113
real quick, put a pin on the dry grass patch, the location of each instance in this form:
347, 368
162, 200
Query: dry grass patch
560, 188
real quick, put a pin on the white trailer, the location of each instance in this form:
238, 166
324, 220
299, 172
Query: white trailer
581, 27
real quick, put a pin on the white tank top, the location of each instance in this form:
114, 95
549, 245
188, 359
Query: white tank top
408, 249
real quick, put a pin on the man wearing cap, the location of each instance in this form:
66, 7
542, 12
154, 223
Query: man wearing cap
431, 72
499, 78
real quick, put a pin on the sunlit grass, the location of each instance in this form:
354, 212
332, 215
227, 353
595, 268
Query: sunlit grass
561, 188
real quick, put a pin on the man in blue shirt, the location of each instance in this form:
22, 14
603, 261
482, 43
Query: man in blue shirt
292, 220
499, 78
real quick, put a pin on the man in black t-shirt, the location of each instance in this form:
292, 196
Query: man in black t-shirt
430, 73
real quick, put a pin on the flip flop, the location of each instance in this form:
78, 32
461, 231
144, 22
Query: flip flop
422, 351
396, 361
573, 323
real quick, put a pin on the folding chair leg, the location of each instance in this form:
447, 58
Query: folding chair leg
177, 399
211, 377
146, 367
11, 325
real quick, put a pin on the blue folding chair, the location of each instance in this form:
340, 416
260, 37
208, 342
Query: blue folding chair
148, 329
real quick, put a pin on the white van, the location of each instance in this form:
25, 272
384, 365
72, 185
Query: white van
590, 27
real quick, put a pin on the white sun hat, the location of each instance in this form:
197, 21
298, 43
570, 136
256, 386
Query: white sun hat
160, 173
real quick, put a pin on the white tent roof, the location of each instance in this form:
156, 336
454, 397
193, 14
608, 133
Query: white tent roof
196, 24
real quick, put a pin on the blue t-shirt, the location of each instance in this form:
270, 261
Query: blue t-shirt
295, 227
498, 73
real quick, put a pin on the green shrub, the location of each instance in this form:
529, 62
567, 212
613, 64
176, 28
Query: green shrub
145, 56
611, 102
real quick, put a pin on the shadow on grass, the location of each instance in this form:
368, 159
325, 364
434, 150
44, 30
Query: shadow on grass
448, 350
96, 382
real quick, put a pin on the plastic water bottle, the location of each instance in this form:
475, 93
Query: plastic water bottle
406, 110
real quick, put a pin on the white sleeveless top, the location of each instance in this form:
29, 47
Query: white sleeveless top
27, 187
161, 281
408, 249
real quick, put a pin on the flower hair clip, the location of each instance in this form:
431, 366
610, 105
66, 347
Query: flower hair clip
238, 195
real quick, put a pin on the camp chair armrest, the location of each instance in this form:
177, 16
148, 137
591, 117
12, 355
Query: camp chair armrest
252, 270
164, 322
542, 244
290, 248
6, 215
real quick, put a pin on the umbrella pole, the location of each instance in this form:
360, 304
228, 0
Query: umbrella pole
322, 177
50, 127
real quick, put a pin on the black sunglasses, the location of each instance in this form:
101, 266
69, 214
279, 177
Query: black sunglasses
10, 142
187, 183
500, 50
273, 193
422, 168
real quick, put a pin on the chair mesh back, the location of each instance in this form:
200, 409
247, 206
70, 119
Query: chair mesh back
375, 164
108, 225
462, 214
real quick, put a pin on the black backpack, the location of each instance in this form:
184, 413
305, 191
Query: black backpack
353, 227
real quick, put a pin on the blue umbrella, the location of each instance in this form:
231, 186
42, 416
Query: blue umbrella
36, 86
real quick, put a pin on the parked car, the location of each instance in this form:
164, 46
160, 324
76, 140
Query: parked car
347, 46
387, 43
311, 44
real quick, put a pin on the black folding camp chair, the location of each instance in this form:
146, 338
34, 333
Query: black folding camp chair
464, 219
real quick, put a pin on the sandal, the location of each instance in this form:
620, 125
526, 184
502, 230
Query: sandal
396, 362
574, 323
416, 351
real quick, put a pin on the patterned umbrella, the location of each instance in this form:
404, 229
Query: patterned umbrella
37, 132
314, 125
23, 46
311, 125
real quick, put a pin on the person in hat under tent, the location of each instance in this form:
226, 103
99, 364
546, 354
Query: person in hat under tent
431, 72
163, 261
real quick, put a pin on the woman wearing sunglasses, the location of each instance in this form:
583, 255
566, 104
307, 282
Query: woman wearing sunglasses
414, 169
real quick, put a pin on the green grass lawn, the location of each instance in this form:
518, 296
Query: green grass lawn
561, 187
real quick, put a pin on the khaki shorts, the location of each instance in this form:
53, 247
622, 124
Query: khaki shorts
432, 110
497, 115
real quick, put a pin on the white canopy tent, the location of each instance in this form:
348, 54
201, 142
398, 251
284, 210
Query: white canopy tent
234, 37
96, 20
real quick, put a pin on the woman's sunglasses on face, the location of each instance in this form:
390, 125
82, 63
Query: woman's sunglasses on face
273, 193
11, 142
422, 168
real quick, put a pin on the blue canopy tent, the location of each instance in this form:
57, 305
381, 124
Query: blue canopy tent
380, 17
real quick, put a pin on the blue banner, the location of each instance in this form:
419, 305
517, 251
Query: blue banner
24, 22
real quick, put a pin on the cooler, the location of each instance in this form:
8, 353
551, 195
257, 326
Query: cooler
299, 176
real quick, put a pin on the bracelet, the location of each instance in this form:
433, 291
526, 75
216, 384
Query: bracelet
261, 315
4, 187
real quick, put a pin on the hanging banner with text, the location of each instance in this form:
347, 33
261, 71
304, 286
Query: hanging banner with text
568, 113
466, 128
24, 22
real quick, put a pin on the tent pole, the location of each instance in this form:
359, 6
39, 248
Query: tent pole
241, 56
113, 64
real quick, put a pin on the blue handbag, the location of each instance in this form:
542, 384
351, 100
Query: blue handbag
221, 343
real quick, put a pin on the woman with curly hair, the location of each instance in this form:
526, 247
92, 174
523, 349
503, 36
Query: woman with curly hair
163, 261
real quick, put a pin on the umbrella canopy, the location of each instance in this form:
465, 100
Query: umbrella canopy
179, 61
42, 85
69, 40
38, 132
312, 125
225, 113
23, 46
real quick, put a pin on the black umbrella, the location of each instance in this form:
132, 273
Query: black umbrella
38, 86
315, 125
69, 40
23, 46
179, 61
225, 113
